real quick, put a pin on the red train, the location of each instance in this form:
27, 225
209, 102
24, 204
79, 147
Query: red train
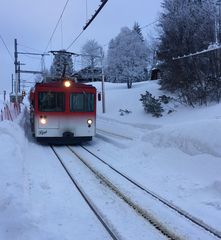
63, 112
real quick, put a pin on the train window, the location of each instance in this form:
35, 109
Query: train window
51, 102
82, 102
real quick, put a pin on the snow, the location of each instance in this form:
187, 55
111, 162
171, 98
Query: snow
211, 47
177, 156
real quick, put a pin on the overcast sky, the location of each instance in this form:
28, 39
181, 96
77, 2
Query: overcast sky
32, 23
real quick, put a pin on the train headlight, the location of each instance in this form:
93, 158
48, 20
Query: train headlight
89, 122
67, 83
43, 120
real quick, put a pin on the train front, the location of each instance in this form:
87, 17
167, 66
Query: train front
64, 112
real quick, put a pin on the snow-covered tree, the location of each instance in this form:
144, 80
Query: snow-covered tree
187, 26
92, 52
62, 64
92, 56
137, 29
127, 58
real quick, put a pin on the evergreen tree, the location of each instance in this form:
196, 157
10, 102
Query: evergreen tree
127, 58
137, 29
151, 104
62, 64
188, 27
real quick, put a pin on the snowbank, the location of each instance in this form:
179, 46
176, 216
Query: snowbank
199, 137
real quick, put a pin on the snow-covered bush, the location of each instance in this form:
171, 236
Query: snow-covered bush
165, 99
122, 112
156, 106
151, 104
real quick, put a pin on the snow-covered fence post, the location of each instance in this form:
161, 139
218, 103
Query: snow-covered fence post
5, 114
8, 113
1, 115
17, 108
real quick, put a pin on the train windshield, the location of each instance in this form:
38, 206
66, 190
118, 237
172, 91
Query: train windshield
82, 102
51, 102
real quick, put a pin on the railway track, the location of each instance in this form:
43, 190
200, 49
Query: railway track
163, 227
159, 232
160, 199
180, 211
85, 197
140, 210
108, 133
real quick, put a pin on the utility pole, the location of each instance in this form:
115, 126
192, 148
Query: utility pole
12, 83
103, 92
218, 3
16, 69
4, 95
102, 82
16, 55
19, 76
217, 21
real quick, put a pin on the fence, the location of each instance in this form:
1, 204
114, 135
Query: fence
10, 112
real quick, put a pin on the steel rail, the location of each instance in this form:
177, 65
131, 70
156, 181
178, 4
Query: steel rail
87, 200
139, 210
114, 134
183, 213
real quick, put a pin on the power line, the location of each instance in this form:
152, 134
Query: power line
27, 47
103, 2
75, 40
106, 44
149, 24
86, 10
56, 25
212, 48
7, 48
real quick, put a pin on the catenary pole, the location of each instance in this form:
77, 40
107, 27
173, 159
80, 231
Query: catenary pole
16, 69
102, 86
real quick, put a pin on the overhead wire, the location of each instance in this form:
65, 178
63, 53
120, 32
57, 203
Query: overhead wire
103, 2
75, 40
149, 24
61, 34
56, 25
86, 10
77, 37
6, 48
27, 47
32, 57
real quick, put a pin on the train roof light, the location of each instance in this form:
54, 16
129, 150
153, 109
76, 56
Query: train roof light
67, 83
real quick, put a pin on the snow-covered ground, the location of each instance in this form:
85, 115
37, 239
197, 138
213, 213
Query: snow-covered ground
177, 156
